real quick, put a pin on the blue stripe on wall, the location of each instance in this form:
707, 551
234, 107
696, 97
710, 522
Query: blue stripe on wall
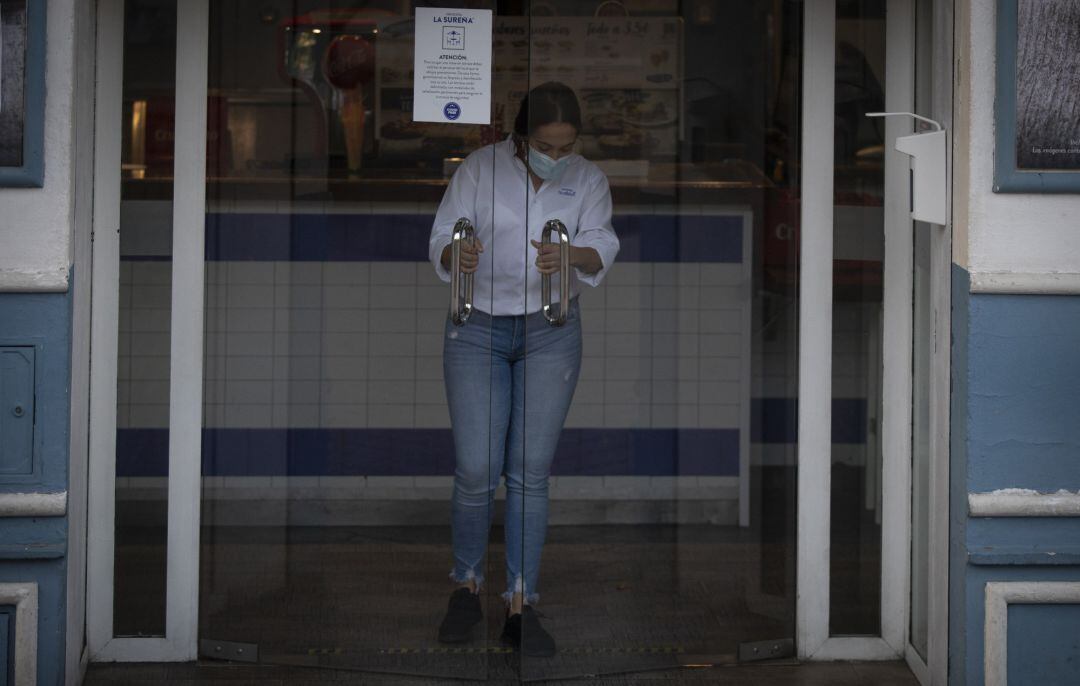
412, 452
679, 238
404, 237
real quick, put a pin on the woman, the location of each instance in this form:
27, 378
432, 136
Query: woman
510, 375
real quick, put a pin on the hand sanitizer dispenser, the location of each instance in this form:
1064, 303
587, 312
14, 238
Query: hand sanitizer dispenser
927, 151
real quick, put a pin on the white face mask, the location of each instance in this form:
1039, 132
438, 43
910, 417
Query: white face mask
544, 166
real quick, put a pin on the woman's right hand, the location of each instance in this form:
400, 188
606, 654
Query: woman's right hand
470, 255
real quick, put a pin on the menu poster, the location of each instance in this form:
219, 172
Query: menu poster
627, 73
452, 66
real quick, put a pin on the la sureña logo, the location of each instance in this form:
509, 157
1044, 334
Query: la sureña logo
451, 111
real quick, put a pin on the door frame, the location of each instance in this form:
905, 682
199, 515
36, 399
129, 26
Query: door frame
186, 342
815, 345
934, 30
813, 641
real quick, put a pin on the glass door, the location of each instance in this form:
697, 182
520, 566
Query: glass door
642, 453
670, 494
328, 459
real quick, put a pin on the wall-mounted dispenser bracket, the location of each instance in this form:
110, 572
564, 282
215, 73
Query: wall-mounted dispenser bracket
927, 151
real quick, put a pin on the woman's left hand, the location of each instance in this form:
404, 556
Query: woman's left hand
584, 258
547, 256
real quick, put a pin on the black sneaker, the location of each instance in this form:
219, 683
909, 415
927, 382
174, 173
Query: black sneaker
536, 643
462, 614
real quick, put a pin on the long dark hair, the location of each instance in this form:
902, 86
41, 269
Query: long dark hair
549, 103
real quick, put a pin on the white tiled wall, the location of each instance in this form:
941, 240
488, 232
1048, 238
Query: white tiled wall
359, 345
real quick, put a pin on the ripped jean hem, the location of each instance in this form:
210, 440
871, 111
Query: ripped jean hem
519, 587
530, 599
469, 575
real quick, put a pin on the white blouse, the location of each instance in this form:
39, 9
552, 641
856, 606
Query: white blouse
492, 189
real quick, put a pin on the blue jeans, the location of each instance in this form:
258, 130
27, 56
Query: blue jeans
509, 382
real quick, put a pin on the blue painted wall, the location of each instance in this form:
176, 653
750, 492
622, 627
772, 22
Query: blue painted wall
1015, 424
958, 431
1024, 397
34, 549
1044, 642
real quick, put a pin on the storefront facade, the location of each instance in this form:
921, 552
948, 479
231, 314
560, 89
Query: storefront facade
808, 425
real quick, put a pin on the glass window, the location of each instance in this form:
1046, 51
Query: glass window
142, 403
859, 247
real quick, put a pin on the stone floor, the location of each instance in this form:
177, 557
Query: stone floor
626, 605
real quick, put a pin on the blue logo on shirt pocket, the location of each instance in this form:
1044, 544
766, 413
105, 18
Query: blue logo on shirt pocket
567, 191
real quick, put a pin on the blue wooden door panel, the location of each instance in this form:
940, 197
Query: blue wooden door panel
16, 410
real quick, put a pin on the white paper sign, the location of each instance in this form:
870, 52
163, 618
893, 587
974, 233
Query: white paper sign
452, 66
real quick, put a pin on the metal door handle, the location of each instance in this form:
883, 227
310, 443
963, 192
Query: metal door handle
564, 273
459, 310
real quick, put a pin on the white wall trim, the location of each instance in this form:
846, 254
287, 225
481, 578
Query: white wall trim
1026, 283
22, 281
998, 595
1024, 502
33, 504
24, 596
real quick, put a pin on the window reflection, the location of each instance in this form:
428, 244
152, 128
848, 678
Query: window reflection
323, 96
